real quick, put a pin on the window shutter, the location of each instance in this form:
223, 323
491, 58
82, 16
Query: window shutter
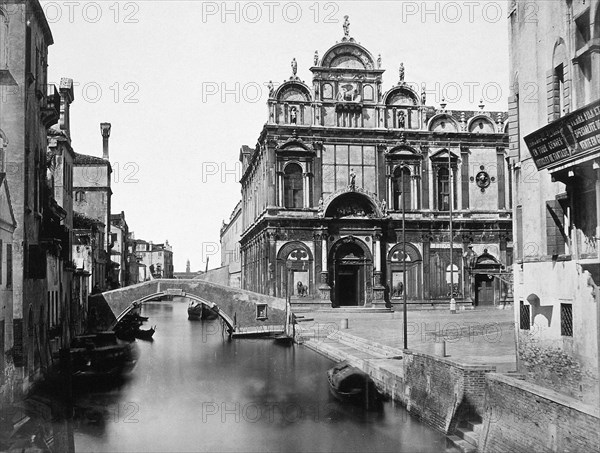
555, 236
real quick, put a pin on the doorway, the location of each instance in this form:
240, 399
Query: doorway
349, 288
349, 276
484, 288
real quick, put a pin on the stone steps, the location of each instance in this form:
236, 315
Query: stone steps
466, 435
461, 444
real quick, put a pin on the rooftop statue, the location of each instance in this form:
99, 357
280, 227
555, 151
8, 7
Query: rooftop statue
346, 27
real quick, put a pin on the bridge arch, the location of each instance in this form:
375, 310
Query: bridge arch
243, 311
137, 303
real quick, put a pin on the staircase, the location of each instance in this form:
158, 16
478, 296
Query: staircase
466, 436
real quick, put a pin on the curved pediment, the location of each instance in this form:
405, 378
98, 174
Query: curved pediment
404, 151
348, 55
347, 203
442, 122
293, 91
487, 260
481, 124
401, 95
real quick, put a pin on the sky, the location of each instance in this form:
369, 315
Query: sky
184, 85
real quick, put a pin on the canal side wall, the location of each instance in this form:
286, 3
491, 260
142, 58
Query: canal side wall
438, 391
234, 302
524, 417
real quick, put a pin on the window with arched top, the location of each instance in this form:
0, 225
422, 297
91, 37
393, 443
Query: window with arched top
402, 189
292, 186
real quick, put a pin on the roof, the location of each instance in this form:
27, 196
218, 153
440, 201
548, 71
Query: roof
85, 159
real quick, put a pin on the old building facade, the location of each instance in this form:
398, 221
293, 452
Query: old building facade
92, 195
336, 166
28, 109
230, 246
555, 152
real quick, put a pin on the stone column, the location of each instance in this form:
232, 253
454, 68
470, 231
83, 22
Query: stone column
378, 288
324, 288
390, 191
306, 187
280, 189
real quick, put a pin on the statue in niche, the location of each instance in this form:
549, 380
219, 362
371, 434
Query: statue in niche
401, 120
352, 180
293, 115
294, 67
379, 62
271, 88
383, 207
346, 27
316, 57
401, 72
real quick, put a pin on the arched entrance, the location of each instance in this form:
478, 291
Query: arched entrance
486, 285
350, 268
396, 264
299, 258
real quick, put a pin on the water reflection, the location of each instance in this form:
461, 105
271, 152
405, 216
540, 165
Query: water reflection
195, 390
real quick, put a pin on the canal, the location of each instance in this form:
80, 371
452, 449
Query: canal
194, 390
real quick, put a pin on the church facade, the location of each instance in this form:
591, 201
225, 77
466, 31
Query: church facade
339, 165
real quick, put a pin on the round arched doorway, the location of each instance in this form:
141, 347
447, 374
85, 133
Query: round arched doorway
350, 267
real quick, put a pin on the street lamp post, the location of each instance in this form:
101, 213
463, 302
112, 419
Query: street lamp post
288, 301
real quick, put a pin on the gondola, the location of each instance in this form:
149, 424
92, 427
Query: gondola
102, 356
142, 334
209, 313
195, 310
351, 385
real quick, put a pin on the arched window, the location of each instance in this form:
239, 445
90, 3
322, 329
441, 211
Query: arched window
402, 188
443, 183
292, 186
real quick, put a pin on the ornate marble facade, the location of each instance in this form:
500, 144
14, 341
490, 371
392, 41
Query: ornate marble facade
324, 188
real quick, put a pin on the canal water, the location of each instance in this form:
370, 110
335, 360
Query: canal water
195, 390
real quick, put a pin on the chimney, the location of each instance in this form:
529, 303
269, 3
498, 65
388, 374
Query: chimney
67, 96
105, 129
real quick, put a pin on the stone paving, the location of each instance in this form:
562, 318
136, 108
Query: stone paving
481, 336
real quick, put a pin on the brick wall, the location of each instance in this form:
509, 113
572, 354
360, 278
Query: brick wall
524, 417
440, 391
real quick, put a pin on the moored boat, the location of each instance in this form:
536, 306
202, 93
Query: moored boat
209, 313
102, 355
194, 310
349, 384
145, 334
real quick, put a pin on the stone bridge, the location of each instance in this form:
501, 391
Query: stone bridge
244, 312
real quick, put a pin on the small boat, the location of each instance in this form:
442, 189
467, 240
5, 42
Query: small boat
209, 313
195, 310
349, 384
142, 334
101, 356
